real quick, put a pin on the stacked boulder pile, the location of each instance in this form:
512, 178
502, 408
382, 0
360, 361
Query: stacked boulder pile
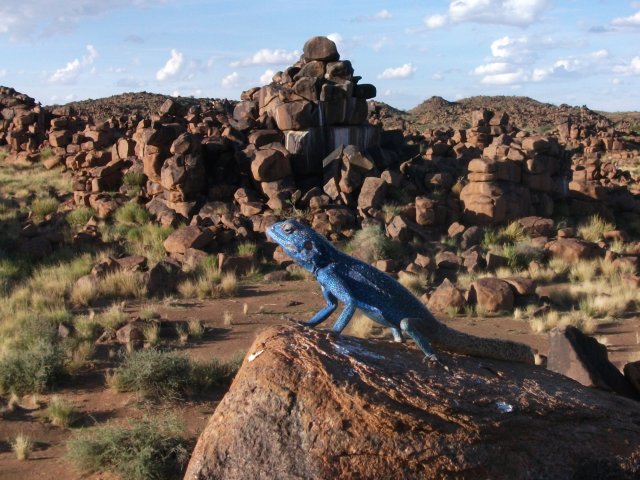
22, 125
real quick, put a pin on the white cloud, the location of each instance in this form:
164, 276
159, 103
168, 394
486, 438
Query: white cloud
22, 19
69, 73
3, 72
172, 67
382, 15
437, 76
230, 80
519, 13
540, 74
632, 68
491, 68
266, 77
507, 47
435, 21
404, 71
505, 78
267, 56
600, 54
631, 21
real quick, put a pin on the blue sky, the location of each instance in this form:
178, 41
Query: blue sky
575, 52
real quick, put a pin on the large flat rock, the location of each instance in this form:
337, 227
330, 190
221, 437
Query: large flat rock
308, 406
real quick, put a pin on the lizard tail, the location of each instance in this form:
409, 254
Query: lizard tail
458, 342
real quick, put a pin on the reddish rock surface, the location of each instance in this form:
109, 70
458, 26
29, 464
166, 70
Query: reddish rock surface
307, 406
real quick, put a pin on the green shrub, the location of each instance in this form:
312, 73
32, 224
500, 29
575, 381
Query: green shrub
60, 413
158, 374
151, 448
247, 249
42, 207
134, 179
80, 216
45, 153
31, 371
371, 244
132, 213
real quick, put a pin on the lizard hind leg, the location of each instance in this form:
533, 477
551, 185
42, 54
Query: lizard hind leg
410, 327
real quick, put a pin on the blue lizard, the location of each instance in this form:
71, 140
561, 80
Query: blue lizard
359, 285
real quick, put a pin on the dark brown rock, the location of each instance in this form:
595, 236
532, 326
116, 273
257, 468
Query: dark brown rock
492, 295
184, 238
306, 406
320, 48
584, 359
572, 249
632, 374
445, 297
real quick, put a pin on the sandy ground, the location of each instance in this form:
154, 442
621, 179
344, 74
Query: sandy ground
266, 304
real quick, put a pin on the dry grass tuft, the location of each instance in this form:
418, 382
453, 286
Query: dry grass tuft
22, 446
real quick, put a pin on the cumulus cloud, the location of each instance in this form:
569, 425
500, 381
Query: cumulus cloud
579, 64
632, 21
230, 80
22, 20
519, 13
266, 77
507, 47
404, 71
172, 67
631, 68
3, 72
508, 78
69, 73
491, 68
267, 56
435, 21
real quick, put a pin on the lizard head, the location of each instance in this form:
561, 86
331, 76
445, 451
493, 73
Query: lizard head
307, 247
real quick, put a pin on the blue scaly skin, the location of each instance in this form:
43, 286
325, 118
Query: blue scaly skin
360, 286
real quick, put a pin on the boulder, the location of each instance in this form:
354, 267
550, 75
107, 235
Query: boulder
446, 296
492, 295
572, 250
187, 237
320, 48
584, 359
304, 405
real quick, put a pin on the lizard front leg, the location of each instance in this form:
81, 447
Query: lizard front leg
322, 315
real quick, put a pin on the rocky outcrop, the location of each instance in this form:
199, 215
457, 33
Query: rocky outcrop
305, 405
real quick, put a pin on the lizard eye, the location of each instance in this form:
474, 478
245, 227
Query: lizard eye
308, 245
288, 228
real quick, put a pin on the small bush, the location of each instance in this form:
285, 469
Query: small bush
132, 213
151, 334
371, 244
33, 370
196, 330
593, 229
80, 216
46, 153
247, 249
41, 207
60, 413
22, 446
151, 448
157, 374
134, 179
229, 284
512, 234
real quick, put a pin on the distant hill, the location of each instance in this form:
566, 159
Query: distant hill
143, 103
526, 113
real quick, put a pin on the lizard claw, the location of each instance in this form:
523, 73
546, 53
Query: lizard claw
433, 361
